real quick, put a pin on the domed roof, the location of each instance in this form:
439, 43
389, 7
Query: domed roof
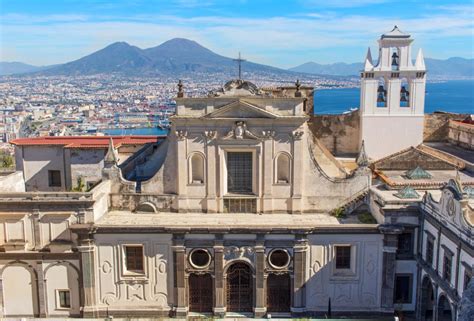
238, 87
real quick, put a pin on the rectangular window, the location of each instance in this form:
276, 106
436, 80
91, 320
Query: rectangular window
405, 246
447, 264
239, 172
403, 287
54, 178
429, 251
64, 298
134, 258
343, 257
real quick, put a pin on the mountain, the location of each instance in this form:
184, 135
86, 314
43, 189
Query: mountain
450, 68
117, 57
174, 57
336, 69
10, 68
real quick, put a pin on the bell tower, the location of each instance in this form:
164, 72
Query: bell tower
392, 97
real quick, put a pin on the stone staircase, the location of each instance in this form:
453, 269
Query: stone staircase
352, 202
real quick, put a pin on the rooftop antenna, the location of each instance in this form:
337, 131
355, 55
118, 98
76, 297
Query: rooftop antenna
239, 61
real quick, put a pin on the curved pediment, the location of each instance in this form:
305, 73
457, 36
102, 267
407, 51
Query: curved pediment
240, 109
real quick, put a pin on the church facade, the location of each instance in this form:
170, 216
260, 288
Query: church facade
240, 211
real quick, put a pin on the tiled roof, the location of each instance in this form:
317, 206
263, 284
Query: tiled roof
85, 141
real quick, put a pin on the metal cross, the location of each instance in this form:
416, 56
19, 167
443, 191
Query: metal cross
239, 61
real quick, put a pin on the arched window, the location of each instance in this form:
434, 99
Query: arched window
283, 169
404, 94
381, 94
197, 169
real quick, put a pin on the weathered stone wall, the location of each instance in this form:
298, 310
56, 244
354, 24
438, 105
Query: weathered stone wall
461, 134
13, 182
437, 126
339, 133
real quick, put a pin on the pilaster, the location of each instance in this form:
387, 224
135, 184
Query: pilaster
42, 295
267, 174
390, 242
297, 171
393, 94
299, 272
219, 297
260, 308
211, 171
87, 259
179, 263
181, 171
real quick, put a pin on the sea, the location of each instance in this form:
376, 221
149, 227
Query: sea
456, 96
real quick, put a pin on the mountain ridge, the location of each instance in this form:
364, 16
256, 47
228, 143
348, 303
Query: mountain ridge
451, 67
180, 56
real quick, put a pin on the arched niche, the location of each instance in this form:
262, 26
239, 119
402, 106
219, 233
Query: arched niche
196, 168
283, 168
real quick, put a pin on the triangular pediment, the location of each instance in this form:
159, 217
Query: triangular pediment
411, 158
240, 109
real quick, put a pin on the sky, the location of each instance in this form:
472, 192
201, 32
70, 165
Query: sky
282, 33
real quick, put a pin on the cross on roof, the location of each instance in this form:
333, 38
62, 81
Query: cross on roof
239, 61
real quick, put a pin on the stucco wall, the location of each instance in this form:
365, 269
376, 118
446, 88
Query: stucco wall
37, 161
339, 133
118, 289
358, 291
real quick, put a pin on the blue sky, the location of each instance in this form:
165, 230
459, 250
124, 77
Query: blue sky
280, 33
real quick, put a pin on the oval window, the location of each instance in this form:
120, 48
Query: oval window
200, 258
279, 259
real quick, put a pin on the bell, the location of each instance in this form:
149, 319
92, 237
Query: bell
404, 94
394, 59
380, 94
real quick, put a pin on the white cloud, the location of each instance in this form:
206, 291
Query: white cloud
65, 37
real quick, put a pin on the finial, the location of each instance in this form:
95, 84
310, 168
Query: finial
180, 89
110, 158
298, 85
362, 159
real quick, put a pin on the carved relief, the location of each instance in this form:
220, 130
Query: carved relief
240, 131
210, 134
135, 292
268, 134
297, 135
235, 252
343, 294
181, 134
109, 298
106, 267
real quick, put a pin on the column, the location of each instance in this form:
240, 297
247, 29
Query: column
260, 308
219, 297
87, 258
268, 172
299, 274
179, 264
390, 245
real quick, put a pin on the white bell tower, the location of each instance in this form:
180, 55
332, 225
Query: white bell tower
392, 97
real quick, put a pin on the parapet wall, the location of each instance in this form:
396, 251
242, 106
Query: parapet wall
437, 126
340, 134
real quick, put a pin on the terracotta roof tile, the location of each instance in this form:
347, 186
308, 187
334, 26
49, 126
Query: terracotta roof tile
85, 141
